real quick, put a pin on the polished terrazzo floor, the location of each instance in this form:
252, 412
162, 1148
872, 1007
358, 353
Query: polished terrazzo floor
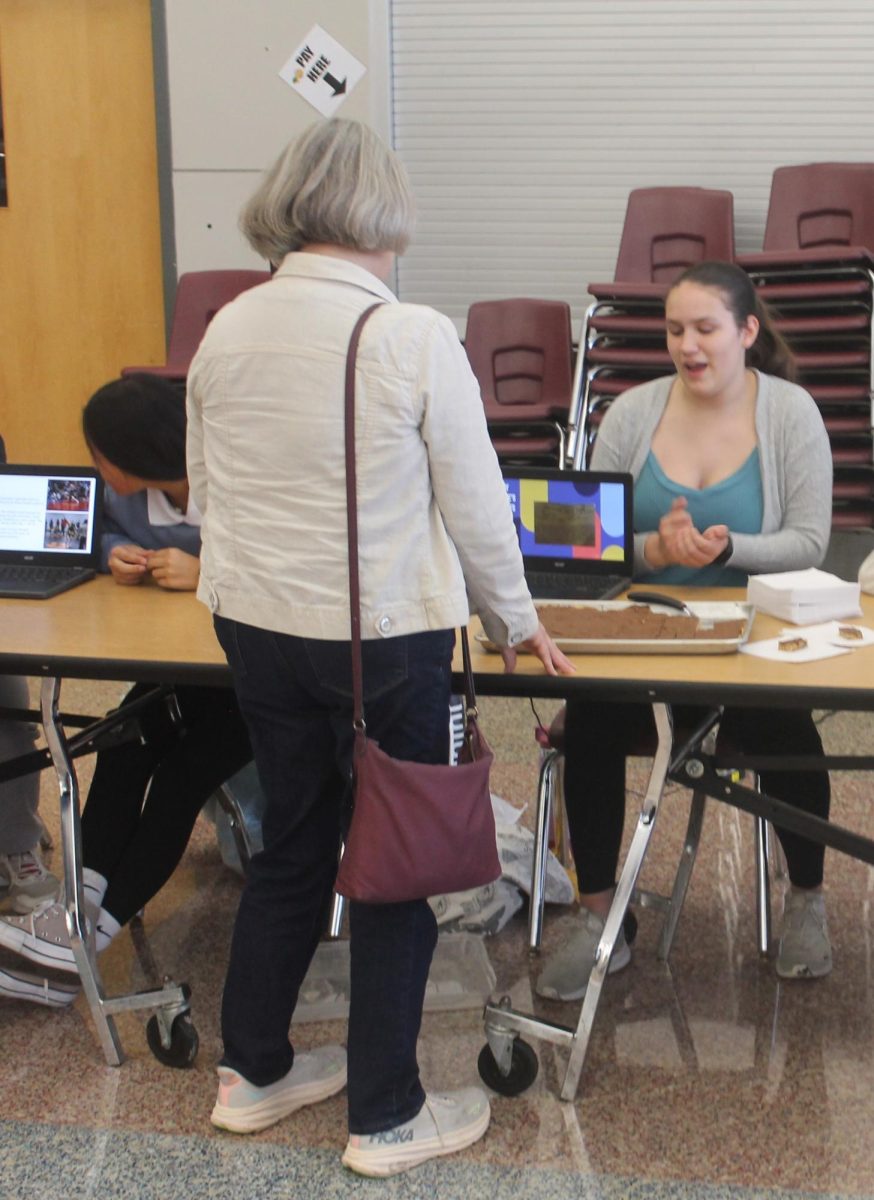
707, 1078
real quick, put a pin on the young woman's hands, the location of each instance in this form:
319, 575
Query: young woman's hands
678, 542
128, 564
173, 569
170, 568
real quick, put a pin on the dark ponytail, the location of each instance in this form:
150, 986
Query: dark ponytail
769, 352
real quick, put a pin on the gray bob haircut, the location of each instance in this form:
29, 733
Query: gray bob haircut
339, 184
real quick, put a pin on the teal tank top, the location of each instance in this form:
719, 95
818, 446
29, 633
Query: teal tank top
736, 501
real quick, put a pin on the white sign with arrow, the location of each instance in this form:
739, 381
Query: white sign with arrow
322, 71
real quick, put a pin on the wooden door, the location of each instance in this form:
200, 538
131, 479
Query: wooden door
80, 249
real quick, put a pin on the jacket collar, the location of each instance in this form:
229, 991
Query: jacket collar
301, 265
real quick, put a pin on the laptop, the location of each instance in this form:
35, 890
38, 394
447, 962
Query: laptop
575, 530
49, 529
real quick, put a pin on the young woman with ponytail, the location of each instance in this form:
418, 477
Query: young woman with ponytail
733, 476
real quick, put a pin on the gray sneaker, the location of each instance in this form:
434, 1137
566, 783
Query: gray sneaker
30, 884
42, 937
53, 993
241, 1107
805, 950
566, 975
446, 1122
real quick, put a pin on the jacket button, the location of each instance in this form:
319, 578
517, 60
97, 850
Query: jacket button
384, 624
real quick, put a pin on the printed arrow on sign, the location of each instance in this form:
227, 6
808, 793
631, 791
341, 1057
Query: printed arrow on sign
338, 88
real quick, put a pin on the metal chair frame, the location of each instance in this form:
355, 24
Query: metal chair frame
243, 843
550, 807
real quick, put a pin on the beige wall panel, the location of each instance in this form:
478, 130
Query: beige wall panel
231, 113
206, 206
80, 253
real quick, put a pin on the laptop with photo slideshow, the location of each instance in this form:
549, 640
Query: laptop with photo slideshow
575, 530
49, 529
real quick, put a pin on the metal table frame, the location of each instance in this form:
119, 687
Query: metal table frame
171, 1000
97, 619
692, 766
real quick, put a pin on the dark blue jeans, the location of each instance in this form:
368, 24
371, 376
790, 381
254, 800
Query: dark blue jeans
295, 695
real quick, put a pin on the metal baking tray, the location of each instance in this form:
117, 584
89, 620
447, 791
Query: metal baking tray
705, 610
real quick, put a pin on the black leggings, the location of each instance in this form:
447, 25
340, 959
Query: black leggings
598, 737
144, 798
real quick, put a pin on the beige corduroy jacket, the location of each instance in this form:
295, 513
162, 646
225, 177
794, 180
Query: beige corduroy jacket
267, 470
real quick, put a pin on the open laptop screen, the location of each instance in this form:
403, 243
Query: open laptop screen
572, 521
49, 515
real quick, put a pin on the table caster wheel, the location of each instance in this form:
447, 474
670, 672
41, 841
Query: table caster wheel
522, 1073
184, 1041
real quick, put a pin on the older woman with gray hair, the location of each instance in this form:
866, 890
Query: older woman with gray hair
267, 468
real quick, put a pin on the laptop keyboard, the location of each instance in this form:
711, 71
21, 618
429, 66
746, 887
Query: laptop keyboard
546, 586
19, 573
36, 582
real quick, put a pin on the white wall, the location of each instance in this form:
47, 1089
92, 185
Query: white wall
231, 114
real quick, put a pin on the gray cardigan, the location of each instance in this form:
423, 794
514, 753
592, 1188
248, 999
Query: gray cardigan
796, 466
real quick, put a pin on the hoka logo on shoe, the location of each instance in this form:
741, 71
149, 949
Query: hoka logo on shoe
392, 1137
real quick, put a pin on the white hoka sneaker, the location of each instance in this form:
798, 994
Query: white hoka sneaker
30, 884
242, 1107
445, 1123
805, 950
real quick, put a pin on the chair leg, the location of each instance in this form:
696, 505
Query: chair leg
546, 786
684, 874
228, 803
763, 886
335, 923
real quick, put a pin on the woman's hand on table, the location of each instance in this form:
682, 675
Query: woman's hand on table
543, 647
679, 543
174, 569
128, 564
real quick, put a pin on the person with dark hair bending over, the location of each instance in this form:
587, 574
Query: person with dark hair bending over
145, 796
733, 476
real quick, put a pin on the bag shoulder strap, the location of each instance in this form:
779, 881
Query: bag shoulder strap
352, 536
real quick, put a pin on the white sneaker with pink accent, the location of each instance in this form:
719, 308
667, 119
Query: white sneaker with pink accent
30, 884
242, 1107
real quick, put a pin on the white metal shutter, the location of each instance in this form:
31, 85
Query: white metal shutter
525, 125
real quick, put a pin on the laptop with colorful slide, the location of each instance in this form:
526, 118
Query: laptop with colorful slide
49, 529
575, 531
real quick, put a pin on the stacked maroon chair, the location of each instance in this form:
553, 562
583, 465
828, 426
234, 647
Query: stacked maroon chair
199, 296
816, 270
521, 353
622, 343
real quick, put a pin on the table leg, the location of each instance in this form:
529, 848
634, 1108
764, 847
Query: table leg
171, 1000
624, 888
503, 1024
71, 840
